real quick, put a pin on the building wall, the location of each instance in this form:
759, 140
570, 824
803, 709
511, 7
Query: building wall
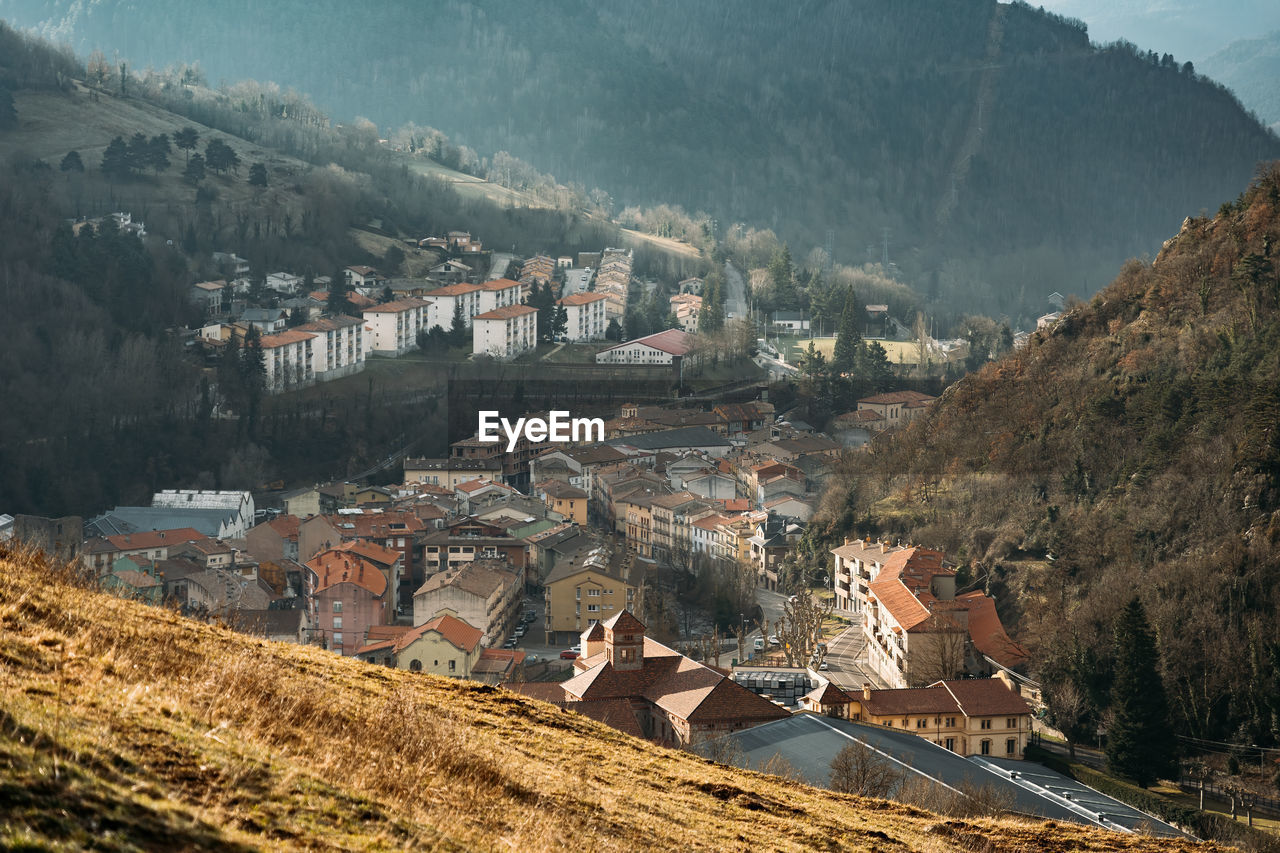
569, 602
505, 338
395, 333
436, 655
633, 353
359, 610
586, 322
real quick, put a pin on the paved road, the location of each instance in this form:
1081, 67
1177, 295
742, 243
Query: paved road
846, 660
735, 301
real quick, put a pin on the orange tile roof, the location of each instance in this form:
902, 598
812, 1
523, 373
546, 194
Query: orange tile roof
454, 290
987, 631
672, 342
155, 538
985, 697
499, 284
397, 306
280, 339
286, 525
334, 567
371, 551
460, 633
903, 584
934, 699
896, 397
581, 299
506, 312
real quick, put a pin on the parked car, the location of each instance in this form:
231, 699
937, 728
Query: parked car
823, 666
520, 632
568, 654
510, 643
530, 616
774, 641
759, 644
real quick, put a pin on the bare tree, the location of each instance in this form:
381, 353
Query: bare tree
857, 769
938, 652
779, 766
725, 750
799, 628
1067, 706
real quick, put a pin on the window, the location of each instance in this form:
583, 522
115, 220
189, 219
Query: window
986, 747
593, 608
337, 607
453, 666
593, 593
1011, 746
888, 724
951, 744
922, 722
337, 623
1011, 723
986, 724
951, 722
415, 665
337, 638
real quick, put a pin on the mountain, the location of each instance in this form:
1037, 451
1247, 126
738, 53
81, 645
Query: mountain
1132, 447
129, 727
1251, 68
988, 149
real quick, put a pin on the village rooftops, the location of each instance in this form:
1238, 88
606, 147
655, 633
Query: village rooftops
507, 312
144, 540
499, 284
898, 397
696, 436
672, 342
460, 289
581, 299
329, 324
334, 567
461, 634
280, 339
397, 306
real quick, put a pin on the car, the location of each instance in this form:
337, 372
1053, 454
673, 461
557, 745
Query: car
510, 643
530, 658
774, 641
520, 632
569, 654
759, 644
823, 666
530, 616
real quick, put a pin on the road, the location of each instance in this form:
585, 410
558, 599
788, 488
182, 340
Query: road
846, 661
735, 301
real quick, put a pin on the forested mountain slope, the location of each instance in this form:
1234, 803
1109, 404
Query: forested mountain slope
1005, 155
1132, 447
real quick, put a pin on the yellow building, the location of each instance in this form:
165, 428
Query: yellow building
566, 499
446, 645
587, 587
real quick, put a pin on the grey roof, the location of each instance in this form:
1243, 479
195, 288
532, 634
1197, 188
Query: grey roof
809, 742
668, 438
262, 315
131, 519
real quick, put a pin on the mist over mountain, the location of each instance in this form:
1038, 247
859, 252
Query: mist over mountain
988, 150
1251, 67
1189, 29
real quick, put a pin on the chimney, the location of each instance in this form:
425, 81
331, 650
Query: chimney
866, 691
884, 546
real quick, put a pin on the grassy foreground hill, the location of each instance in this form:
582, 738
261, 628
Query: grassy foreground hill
129, 727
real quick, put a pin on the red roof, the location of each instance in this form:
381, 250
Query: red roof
397, 306
506, 312
672, 342
155, 539
985, 697
500, 284
454, 290
903, 584
284, 338
371, 551
334, 567
460, 633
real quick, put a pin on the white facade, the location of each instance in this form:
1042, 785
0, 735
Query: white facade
443, 300
288, 359
392, 327
338, 348
505, 332
659, 349
498, 293
586, 316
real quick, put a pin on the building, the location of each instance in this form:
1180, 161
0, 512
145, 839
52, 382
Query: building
275, 540
505, 333
895, 407
794, 322
338, 348
451, 471
445, 645
972, 716
237, 506
288, 360
568, 500
209, 296
394, 326
774, 538
484, 593
688, 308
347, 596
664, 348
100, 554
268, 321
586, 315
587, 583
364, 277
676, 700
447, 300
499, 293
854, 564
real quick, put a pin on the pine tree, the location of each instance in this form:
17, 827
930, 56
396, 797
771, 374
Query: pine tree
1140, 740
847, 354
186, 139
613, 332
194, 171
458, 331
560, 325
115, 160
337, 303
782, 278
158, 150
711, 315
258, 175
72, 162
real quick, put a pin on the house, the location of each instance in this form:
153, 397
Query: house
484, 593
673, 516
773, 539
394, 325
206, 553
569, 501
363, 277
275, 540
676, 700
268, 321
467, 540
685, 439
453, 272
854, 565
586, 316
291, 625
397, 531
450, 471
687, 308
284, 283
338, 348
58, 538
100, 554
446, 646
505, 333
445, 301
972, 716
587, 582
692, 285
231, 263
664, 348
136, 578
208, 295
349, 596
538, 268
896, 407
461, 241
287, 357
499, 293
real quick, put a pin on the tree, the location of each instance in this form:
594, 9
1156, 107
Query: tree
559, 322
194, 171
782, 281
115, 160
1140, 740
220, 157
857, 769
875, 365
158, 149
97, 70
186, 139
711, 315
941, 655
458, 330
848, 350
337, 302
8, 112
386, 296
253, 369
297, 316
258, 175
72, 162
613, 332
138, 154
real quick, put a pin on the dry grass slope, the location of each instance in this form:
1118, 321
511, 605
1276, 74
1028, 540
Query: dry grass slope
126, 727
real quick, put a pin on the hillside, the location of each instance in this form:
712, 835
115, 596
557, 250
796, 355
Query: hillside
127, 727
998, 153
1251, 68
1132, 447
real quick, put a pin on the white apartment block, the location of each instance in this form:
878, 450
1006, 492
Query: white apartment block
586, 316
498, 293
504, 333
443, 300
338, 348
288, 356
392, 327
